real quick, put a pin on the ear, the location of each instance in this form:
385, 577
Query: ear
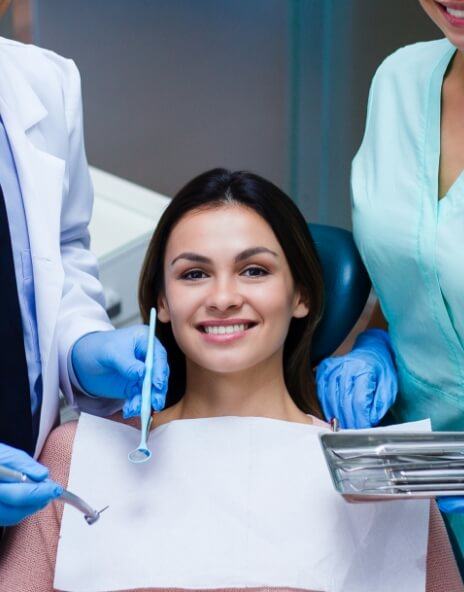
163, 309
301, 305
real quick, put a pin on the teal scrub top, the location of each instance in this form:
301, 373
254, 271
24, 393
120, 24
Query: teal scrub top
412, 243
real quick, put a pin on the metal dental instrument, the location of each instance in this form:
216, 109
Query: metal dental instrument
380, 466
390, 455
451, 452
409, 462
334, 424
440, 488
8, 475
142, 454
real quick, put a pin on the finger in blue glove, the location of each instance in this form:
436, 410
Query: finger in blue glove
18, 500
159, 379
112, 364
360, 387
451, 505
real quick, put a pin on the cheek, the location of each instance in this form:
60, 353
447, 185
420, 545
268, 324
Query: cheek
182, 303
430, 9
276, 302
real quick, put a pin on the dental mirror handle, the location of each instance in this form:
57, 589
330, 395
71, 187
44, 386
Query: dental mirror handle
145, 411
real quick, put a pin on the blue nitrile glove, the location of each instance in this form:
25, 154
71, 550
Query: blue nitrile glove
451, 505
112, 364
360, 387
18, 500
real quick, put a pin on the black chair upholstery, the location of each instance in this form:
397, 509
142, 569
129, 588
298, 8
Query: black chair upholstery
346, 287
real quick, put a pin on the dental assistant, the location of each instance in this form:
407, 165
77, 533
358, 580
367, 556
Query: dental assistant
408, 222
54, 330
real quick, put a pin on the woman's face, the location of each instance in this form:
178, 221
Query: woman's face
448, 15
229, 293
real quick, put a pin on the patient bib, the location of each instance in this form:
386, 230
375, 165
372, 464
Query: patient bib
229, 502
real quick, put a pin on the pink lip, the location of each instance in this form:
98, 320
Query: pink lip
224, 338
452, 20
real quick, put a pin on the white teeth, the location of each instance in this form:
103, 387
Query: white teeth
223, 329
455, 12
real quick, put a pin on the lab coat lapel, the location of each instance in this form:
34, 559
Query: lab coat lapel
41, 179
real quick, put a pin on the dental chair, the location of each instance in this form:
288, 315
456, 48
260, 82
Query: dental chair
346, 287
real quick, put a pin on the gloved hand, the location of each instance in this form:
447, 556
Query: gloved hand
360, 387
18, 500
451, 505
112, 364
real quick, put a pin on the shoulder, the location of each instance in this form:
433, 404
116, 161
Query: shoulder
319, 422
399, 89
43, 69
413, 61
57, 451
60, 439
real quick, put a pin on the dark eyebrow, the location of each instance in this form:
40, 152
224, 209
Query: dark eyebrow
191, 257
246, 254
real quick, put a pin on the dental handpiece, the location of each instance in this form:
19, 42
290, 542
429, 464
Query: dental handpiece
8, 475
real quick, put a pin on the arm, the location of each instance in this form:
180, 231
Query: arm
106, 363
28, 555
82, 304
377, 320
442, 571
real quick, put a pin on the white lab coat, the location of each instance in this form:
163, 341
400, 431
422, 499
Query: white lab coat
40, 103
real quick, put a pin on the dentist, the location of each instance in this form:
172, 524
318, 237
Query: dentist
54, 330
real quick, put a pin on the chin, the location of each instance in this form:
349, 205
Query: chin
230, 366
225, 362
457, 40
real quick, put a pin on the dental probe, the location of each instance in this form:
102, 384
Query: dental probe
90, 515
142, 453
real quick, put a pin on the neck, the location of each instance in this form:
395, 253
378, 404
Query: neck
456, 69
255, 392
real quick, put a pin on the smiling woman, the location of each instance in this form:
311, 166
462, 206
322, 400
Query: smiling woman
234, 273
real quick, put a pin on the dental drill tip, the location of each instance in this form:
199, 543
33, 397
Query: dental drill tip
92, 518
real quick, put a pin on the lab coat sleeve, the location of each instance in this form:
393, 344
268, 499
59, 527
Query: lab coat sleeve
82, 304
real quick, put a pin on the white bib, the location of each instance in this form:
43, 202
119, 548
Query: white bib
224, 503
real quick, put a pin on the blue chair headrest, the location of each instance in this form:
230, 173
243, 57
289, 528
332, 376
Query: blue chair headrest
346, 288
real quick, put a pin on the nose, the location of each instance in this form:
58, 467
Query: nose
224, 295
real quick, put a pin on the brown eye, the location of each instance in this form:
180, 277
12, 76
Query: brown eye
255, 272
193, 274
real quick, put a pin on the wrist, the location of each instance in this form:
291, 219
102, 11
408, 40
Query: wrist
373, 337
76, 385
74, 364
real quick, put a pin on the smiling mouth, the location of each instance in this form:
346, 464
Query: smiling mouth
455, 10
225, 329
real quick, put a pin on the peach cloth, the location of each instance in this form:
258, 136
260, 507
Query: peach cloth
28, 553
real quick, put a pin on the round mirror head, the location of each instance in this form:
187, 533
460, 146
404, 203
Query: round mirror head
139, 455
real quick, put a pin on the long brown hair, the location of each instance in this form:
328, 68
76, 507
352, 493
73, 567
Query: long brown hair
221, 187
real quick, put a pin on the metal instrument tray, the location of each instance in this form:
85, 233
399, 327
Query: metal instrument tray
393, 465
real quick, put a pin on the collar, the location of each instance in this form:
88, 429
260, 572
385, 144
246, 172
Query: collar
16, 91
